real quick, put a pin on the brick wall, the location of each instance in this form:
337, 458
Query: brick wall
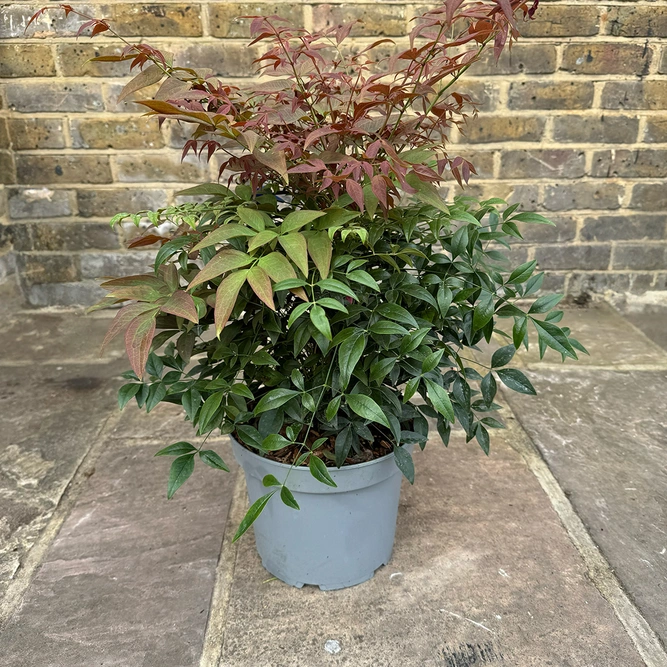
573, 123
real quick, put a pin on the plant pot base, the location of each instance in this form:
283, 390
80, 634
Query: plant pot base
340, 536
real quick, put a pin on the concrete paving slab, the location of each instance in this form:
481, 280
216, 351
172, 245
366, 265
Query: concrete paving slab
604, 436
483, 573
652, 321
129, 578
611, 341
49, 418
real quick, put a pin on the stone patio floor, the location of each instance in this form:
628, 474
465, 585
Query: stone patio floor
553, 551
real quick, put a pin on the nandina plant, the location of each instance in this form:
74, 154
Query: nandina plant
325, 303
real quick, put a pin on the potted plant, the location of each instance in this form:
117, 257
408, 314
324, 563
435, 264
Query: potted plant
323, 307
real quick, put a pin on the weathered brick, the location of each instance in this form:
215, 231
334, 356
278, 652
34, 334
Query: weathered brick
18, 60
638, 21
45, 169
115, 264
598, 283
635, 95
226, 22
373, 19
106, 203
638, 163
643, 256
62, 236
572, 196
7, 265
542, 164
14, 18
525, 194
157, 168
32, 133
492, 129
225, 59
46, 267
649, 197
64, 294
59, 96
4, 134
7, 168
483, 93
174, 20
28, 203
563, 230
553, 283
611, 58
656, 129
111, 92
548, 95
74, 60
521, 59
662, 68
562, 257
482, 160
626, 227
121, 133
596, 129
563, 21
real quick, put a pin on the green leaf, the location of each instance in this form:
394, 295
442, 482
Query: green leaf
319, 471
405, 464
319, 318
380, 368
210, 407
410, 388
332, 408
432, 360
344, 442
179, 472
482, 436
367, 408
177, 449
222, 234
519, 331
250, 436
264, 237
298, 219
294, 244
319, 247
213, 460
440, 399
328, 302
156, 394
225, 298
459, 242
275, 442
274, 399
126, 393
426, 192
206, 189
503, 356
297, 312
289, 283
270, 480
227, 259
252, 514
483, 311
171, 248
251, 217
288, 498
397, 313
241, 390
365, 278
349, 353
489, 388
444, 299
554, 337
535, 218
516, 380
522, 273
387, 328
545, 303
333, 285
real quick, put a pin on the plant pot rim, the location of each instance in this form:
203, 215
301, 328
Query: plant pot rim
287, 466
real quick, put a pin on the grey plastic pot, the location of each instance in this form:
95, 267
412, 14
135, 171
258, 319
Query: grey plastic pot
340, 536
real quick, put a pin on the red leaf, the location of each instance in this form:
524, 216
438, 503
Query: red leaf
356, 192
225, 298
181, 304
123, 318
379, 187
138, 339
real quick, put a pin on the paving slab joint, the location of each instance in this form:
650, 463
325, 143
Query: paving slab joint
599, 571
224, 579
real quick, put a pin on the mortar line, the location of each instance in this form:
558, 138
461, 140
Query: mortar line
27, 571
600, 572
214, 636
